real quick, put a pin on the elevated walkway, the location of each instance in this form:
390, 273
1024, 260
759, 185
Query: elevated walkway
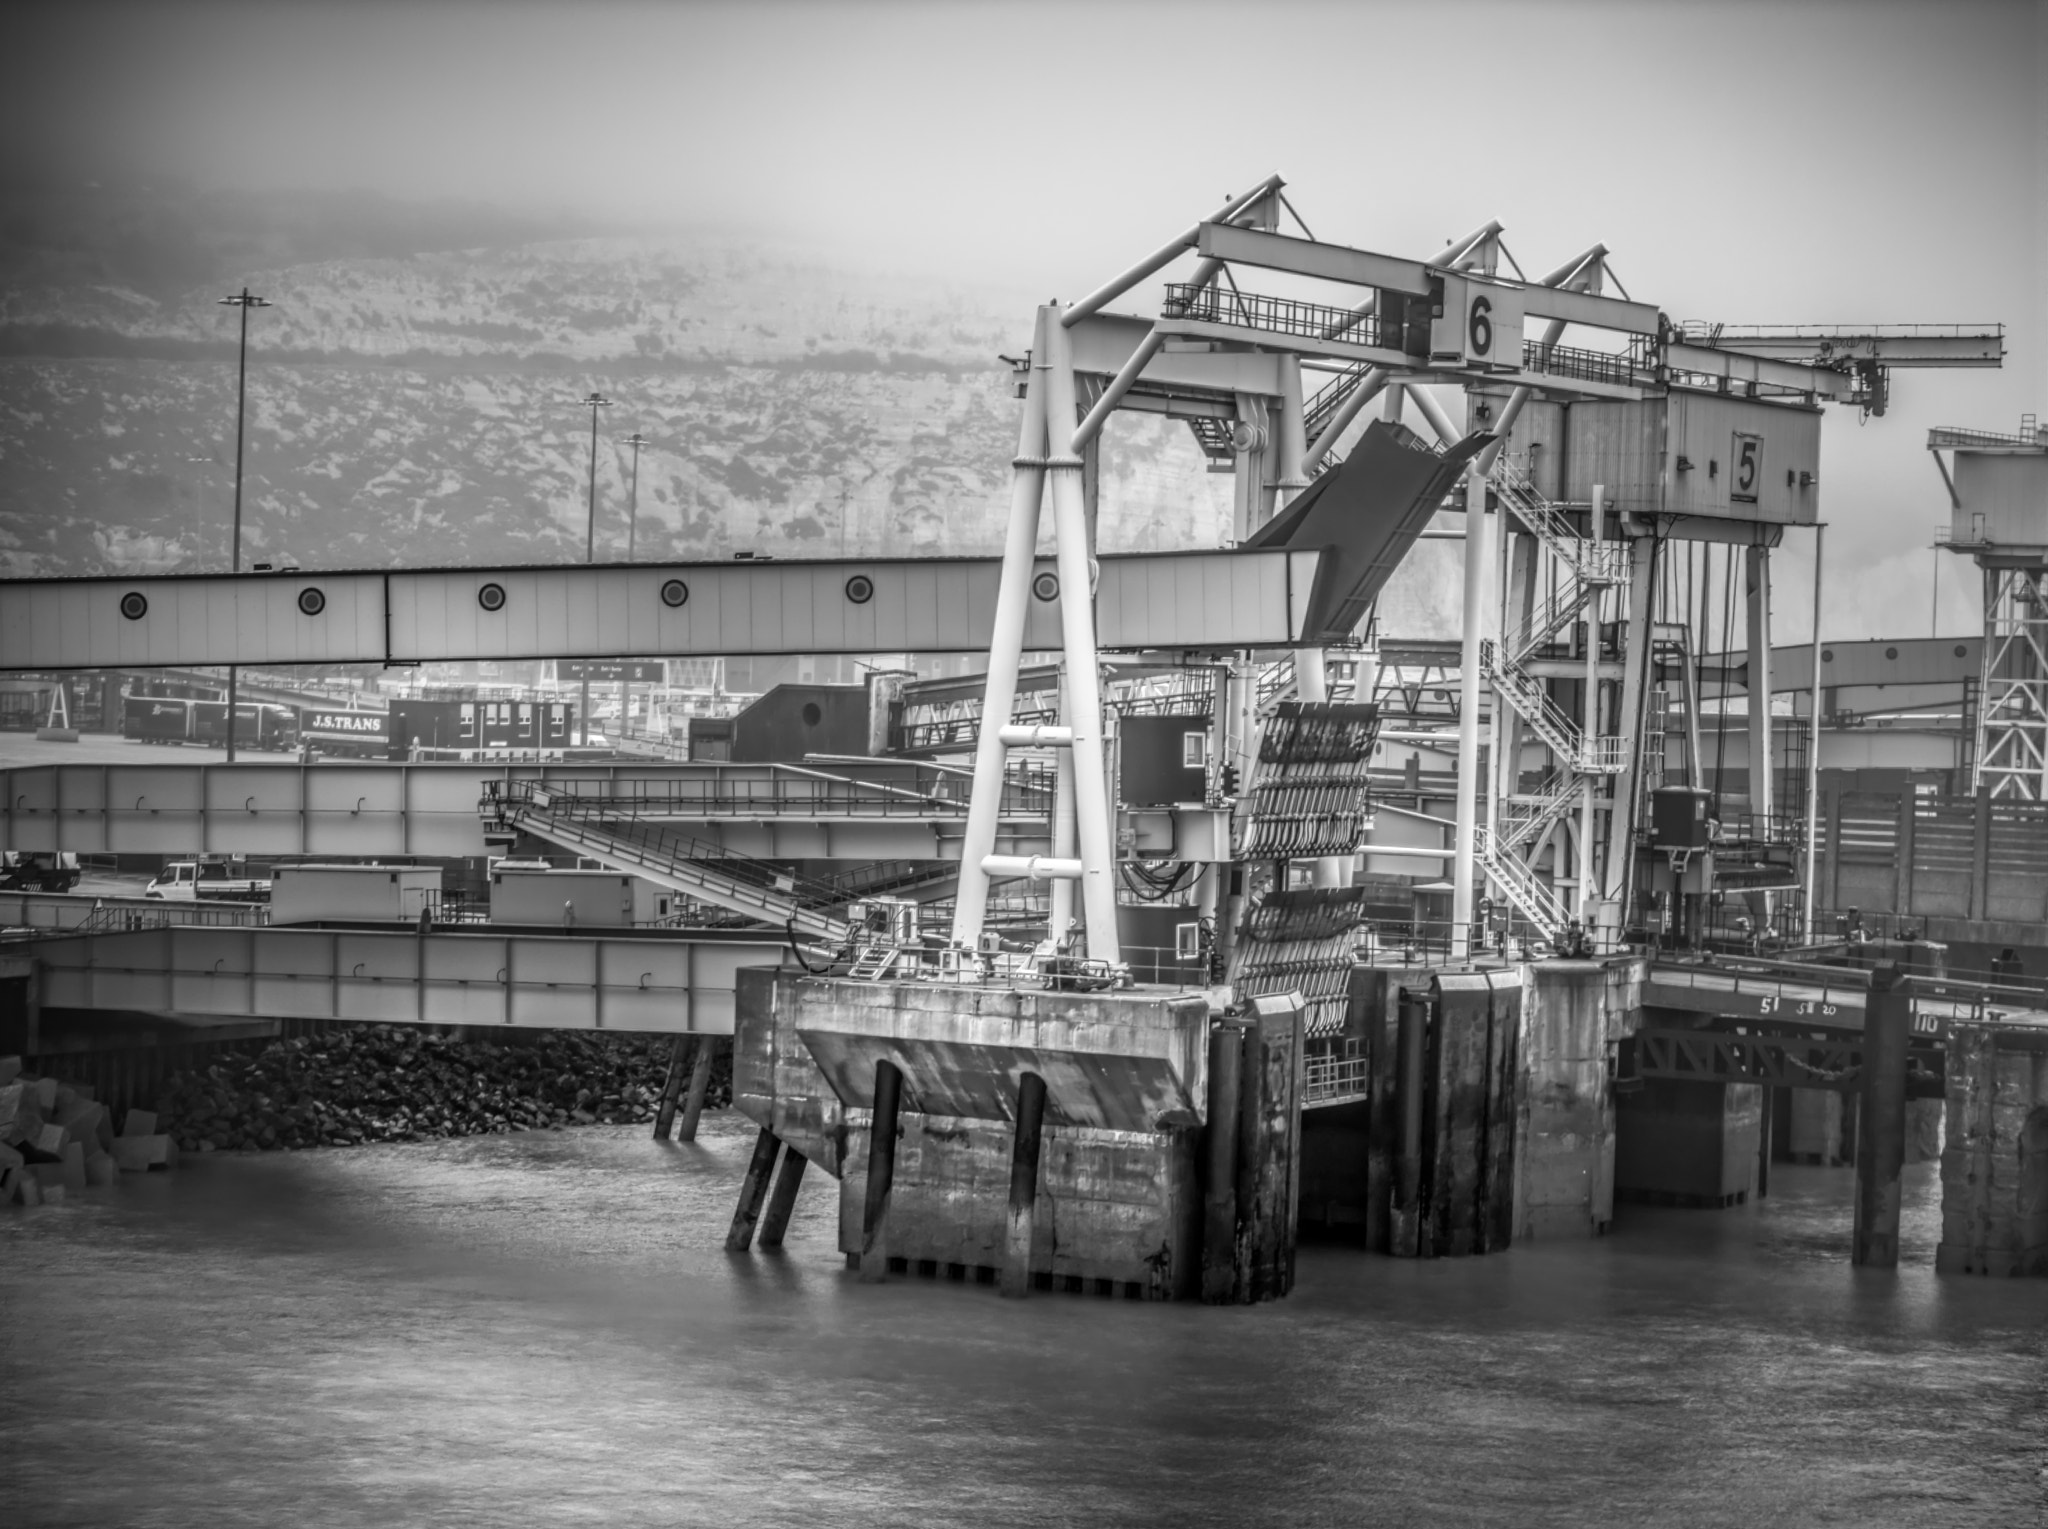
878, 810
606, 829
1822, 998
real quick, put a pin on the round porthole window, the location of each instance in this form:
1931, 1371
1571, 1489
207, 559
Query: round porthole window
312, 602
1891, 652
1046, 586
674, 593
812, 715
491, 597
1827, 655
860, 589
135, 605
1961, 651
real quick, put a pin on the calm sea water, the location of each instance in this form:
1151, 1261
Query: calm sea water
543, 1329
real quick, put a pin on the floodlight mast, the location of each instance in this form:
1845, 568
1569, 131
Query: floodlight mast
636, 440
593, 403
244, 300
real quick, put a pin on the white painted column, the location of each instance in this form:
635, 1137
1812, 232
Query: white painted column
1093, 832
1061, 908
1463, 869
1589, 728
1813, 750
1759, 687
1006, 644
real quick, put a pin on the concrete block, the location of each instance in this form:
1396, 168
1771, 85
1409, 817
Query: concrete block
132, 1153
10, 1068
9, 1158
50, 1138
45, 1092
139, 1123
19, 1116
54, 1194
86, 1122
28, 1189
101, 1170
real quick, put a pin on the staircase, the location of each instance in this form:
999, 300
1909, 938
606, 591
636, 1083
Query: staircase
1523, 819
606, 831
1587, 566
1521, 886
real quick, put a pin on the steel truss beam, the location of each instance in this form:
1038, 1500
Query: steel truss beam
1781, 1061
2012, 715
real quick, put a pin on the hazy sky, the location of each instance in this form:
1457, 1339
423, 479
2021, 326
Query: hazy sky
1775, 162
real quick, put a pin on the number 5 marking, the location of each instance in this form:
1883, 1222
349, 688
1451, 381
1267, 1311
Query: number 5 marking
1480, 329
1748, 468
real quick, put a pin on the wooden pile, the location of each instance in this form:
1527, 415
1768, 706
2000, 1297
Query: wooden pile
56, 1139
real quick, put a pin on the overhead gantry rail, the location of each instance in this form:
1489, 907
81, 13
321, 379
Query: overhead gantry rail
1849, 363
1206, 601
667, 981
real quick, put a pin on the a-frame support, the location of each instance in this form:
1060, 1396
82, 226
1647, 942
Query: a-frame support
1046, 462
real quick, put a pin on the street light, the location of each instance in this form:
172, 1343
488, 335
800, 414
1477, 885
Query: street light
636, 440
593, 403
243, 300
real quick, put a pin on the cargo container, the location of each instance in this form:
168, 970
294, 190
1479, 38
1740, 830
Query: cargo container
169, 719
307, 894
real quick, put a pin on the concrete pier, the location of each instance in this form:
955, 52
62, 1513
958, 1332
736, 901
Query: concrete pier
1573, 1013
1119, 1180
1994, 1166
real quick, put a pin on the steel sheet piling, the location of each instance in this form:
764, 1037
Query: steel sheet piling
1219, 1163
1018, 1229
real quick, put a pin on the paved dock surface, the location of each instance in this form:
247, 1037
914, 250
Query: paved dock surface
542, 1329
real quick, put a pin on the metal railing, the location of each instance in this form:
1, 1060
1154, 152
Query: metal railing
1630, 368
1521, 886
1219, 303
790, 791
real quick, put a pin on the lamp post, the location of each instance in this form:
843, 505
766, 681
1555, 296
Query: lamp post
636, 440
593, 403
243, 300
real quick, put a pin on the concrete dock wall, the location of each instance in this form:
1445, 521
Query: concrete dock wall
1121, 1207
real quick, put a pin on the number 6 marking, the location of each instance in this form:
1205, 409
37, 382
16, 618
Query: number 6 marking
1481, 327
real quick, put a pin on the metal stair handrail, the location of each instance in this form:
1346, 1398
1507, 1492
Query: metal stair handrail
1520, 885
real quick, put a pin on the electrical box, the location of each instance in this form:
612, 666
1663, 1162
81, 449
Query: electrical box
1678, 817
1162, 760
